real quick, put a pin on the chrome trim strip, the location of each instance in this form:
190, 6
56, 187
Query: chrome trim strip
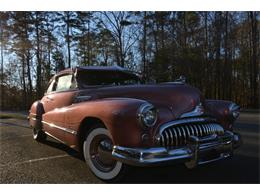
207, 129
201, 130
167, 137
185, 126
212, 129
162, 140
181, 137
82, 98
185, 138
54, 137
195, 130
171, 135
189, 127
176, 138
61, 128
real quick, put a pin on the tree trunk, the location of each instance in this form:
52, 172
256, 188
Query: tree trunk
28, 56
226, 82
2, 65
207, 72
68, 38
24, 84
144, 47
48, 66
39, 64
254, 69
88, 44
121, 50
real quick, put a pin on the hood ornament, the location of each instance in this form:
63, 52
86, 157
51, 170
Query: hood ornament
198, 111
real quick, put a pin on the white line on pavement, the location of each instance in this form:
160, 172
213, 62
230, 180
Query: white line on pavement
8, 138
34, 160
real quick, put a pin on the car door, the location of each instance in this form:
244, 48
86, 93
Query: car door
59, 95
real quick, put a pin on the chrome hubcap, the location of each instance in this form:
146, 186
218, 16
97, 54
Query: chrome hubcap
101, 153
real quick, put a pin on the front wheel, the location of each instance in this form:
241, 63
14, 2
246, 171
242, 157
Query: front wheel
97, 149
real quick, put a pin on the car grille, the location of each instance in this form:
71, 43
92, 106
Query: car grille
178, 135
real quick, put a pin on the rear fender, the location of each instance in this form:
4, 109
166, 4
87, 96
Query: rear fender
35, 115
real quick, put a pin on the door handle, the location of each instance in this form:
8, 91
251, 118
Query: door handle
49, 98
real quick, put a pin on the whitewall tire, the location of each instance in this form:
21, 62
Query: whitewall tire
101, 163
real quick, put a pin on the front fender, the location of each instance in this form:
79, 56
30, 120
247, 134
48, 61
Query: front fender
220, 110
119, 115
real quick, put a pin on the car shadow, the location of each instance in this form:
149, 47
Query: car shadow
14, 124
53, 143
239, 169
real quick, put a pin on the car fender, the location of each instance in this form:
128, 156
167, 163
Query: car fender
35, 115
119, 115
220, 110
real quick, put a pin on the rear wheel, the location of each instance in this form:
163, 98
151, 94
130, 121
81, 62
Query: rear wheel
97, 149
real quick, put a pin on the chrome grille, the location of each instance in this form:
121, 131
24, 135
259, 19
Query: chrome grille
177, 135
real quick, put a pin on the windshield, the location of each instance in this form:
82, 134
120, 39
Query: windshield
96, 78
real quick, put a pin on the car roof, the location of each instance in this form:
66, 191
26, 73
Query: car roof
95, 68
108, 68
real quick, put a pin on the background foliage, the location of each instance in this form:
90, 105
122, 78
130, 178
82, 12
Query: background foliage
218, 52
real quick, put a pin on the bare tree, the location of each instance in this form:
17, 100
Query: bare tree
124, 36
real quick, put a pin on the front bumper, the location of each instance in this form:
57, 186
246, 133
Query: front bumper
198, 151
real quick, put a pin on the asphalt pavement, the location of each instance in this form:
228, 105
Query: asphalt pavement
23, 160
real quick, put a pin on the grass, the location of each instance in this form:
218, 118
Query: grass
12, 115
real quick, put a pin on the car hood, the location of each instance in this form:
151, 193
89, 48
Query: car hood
178, 98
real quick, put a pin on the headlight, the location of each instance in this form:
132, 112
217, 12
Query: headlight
147, 115
234, 110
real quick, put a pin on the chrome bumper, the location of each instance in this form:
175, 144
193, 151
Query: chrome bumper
198, 151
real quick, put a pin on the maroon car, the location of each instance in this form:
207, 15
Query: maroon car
116, 121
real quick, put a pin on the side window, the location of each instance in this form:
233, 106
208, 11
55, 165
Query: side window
64, 83
50, 88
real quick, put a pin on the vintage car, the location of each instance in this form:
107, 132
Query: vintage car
115, 120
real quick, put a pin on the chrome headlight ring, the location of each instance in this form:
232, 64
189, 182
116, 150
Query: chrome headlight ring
234, 110
147, 115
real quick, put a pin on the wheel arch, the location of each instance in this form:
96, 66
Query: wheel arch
85, 126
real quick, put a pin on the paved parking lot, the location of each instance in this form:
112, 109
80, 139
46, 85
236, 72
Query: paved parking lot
23, 160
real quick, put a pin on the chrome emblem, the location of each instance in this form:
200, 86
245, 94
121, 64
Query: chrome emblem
198, 111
